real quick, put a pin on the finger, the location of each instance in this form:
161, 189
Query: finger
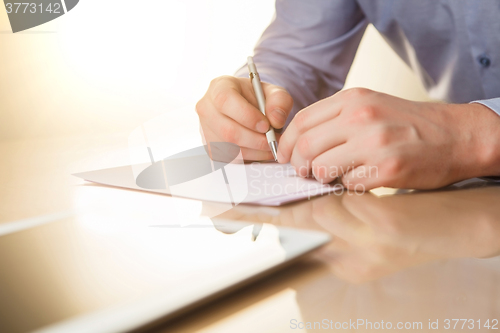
379, 212
227, 130
335, 162
279, 104
362, 178
315, 142
256, 155
259, 155
231, 103
330, 213
306, 119
247, 153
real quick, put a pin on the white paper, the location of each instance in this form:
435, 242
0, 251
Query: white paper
269, 184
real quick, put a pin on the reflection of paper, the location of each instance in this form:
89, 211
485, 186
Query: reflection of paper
268, 184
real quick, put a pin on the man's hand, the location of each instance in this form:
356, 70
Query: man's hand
374, 139
229, 113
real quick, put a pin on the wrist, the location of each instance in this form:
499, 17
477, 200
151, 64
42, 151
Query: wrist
484, 129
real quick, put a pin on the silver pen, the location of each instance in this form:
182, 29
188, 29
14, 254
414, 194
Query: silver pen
261, 100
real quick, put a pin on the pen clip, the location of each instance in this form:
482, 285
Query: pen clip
254, 75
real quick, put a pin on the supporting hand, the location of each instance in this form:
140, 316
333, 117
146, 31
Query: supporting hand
373, 139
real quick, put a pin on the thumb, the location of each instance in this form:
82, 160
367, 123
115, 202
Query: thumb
279, 103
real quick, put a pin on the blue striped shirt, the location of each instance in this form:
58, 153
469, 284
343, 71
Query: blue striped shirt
452, 45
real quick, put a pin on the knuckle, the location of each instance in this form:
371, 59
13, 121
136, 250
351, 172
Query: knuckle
393, 166
287, 98
320, 172
302, 168
361, 116
283, 97
410, 132
382, 138
249, 117
215, 82
366, 113
229, 133
200, 108
356, 92
262, 144
304, 146
221, 98
301, 120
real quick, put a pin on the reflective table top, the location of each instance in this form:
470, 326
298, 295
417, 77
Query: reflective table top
411, 260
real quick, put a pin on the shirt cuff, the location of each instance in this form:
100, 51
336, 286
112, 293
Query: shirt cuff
493, 104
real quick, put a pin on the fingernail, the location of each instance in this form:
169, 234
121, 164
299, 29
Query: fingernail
262, 126
279, 115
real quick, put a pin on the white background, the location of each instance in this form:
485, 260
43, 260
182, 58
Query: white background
111, 65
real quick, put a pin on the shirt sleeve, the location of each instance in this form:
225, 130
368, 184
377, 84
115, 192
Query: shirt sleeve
308, 48
494, 105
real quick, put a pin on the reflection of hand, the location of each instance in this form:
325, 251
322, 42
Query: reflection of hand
376, 236
383, 235
228, 113
374, 139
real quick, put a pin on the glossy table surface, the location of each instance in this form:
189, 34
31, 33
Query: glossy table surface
396, 256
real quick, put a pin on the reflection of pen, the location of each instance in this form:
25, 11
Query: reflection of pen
235, 227
257, 227
259, 94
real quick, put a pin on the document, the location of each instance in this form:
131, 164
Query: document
269, 184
